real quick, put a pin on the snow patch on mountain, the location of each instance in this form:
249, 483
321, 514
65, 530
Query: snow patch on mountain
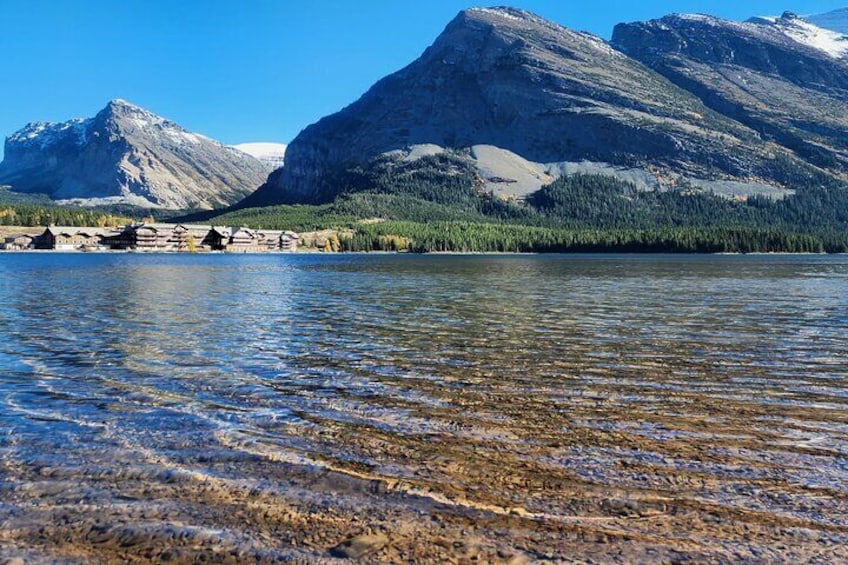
700, 18
836, 20
272, 154
803, 31
831, 42
42, 134
505, 13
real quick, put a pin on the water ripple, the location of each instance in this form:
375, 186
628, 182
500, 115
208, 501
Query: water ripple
265, 407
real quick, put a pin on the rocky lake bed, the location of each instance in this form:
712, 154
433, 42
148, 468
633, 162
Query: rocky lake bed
450, 409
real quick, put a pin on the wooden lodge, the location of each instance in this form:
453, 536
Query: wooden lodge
16, 242
243, 240
70, 238
159, 237
219, 237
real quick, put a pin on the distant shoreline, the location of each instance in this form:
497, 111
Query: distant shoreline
430, 253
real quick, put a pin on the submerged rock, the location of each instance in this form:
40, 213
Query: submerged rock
360, 546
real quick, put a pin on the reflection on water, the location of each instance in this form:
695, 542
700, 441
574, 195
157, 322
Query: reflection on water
471, 408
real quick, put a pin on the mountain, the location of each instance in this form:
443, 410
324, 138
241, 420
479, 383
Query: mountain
527, 101
272, 154
836, 20
129, 155
782, 77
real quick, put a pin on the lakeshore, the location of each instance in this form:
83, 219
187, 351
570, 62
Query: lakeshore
151, 237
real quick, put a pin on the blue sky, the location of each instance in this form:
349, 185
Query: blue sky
252, 70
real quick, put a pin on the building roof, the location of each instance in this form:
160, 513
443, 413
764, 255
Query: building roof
195, 227
222, 230
156, 226
150, 227
71, 230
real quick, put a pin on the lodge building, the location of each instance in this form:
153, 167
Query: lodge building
16, 242
158, 237
70, 238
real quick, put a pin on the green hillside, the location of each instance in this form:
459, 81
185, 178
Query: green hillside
436, 204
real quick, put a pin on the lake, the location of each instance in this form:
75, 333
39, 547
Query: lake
423, 408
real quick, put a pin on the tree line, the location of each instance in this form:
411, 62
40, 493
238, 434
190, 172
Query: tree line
487, 238
36, 215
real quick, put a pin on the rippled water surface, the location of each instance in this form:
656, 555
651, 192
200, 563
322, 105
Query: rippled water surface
466, 409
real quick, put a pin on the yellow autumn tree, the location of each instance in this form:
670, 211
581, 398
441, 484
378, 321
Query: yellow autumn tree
334, 242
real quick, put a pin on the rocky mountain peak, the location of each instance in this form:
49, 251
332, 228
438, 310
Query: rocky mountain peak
117, 104
511, 24
126, 153
501, 83
119, 109
502, 18
501, 14
785, 46
768, 40
129, 118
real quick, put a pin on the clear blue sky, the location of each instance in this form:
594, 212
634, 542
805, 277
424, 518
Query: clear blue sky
252, 70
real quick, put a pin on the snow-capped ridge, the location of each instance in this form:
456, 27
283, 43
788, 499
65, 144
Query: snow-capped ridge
503, 12
272, 154
837, 20
703, 18
47, 133
121, 106
122, 102
802, 31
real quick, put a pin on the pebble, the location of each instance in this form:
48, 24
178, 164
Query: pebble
360, 546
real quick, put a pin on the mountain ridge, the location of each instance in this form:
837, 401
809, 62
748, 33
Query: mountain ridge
126, 154
792, 94
508, 79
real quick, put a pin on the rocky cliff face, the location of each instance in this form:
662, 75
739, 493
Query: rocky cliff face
782, 77
127, 154
516, 85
